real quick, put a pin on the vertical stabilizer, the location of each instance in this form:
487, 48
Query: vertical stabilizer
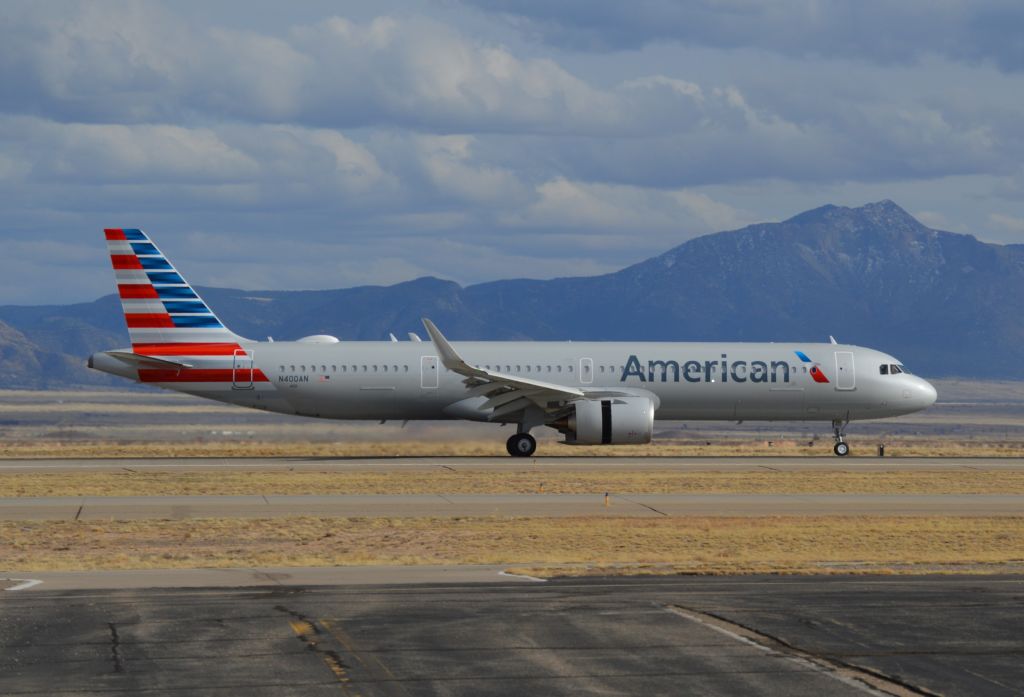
165, 316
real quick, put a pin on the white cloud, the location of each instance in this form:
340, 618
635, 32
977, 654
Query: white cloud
448, 162
564, 203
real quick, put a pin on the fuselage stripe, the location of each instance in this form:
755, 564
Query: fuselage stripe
226, 375
187, 349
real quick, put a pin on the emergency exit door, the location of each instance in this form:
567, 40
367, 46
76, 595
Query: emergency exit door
428, 372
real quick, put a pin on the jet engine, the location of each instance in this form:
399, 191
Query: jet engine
616, 421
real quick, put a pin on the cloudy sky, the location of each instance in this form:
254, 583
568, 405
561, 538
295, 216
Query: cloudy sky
330, 144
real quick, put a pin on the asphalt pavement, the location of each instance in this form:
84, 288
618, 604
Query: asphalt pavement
498, 464
540, 505
831, 635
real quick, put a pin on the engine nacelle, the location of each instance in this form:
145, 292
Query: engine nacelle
612, 421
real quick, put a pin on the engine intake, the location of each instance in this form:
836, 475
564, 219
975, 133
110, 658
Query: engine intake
617, 420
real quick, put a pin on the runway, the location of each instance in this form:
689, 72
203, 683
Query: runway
656, 636
284, 576
399, 464
540, 505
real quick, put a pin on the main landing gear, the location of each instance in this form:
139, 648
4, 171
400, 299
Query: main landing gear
841, 448
521, 445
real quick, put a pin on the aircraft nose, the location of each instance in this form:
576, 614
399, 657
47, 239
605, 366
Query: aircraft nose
925, 393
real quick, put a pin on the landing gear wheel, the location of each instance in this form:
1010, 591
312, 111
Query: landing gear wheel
841, 449
521, 445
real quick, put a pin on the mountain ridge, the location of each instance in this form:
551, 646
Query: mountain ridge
871, 275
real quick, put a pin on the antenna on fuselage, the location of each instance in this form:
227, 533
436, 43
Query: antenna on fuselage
393, 337
413, 336
832, 339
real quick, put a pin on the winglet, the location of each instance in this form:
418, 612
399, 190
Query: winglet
451, 360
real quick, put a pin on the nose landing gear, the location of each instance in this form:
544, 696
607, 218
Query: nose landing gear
841, 448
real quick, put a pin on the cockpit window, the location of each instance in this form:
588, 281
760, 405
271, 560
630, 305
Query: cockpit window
883, 369
903, 369
895, 369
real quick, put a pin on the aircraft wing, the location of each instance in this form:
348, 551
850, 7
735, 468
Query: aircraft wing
506, 394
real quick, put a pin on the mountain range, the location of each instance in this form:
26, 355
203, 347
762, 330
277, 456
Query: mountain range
944, 303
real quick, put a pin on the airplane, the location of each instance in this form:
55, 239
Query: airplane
593, 393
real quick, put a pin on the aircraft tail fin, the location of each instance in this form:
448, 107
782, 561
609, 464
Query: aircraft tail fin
165, 316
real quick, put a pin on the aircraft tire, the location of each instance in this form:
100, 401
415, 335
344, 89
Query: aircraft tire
521, 445
841, 449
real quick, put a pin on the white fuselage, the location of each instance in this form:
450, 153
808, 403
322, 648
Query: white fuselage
686, 381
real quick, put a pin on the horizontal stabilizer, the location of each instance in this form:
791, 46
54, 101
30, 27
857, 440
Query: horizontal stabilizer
139, 361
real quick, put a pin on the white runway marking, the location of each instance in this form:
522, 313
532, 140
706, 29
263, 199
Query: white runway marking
811, 663
25, 584
529, 578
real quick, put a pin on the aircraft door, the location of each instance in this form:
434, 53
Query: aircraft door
586, 370
846, 378
428, 372
241, 371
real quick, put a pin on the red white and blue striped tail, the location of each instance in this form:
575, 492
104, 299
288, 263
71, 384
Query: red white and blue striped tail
165, 316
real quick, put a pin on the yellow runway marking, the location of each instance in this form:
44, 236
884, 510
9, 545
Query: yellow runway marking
372, 663
307, 633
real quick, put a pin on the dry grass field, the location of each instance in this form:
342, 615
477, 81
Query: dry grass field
525, 481
692, 545
972, 419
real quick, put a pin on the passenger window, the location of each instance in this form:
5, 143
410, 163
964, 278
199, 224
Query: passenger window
570, 368
293, 368
364, 369
334, 369
282, 369
312, 368
406, 368
559, 368
344, 368
883, 369
375, 367
385, 368
602, 369
303, 368
508, 369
